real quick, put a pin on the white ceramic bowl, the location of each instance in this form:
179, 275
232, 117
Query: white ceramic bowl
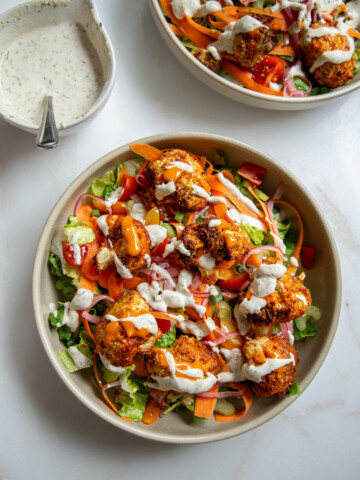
237, 92
36, 14
324, 281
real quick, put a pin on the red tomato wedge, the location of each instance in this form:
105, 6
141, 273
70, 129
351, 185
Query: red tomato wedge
68, 252
234, 284
252, 173
307, 255
130, 187
270, 69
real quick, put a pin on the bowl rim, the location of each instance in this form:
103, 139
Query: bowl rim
109, 416
226, 84
107, 87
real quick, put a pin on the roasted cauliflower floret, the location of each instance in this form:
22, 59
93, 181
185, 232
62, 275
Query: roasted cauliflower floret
270, 376
290, 300
112, 339
330, 74
174, 179
251, 47
209, 245
205, 57
128, 239
186, 350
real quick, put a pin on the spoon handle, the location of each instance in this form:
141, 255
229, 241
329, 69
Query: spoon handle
48, 136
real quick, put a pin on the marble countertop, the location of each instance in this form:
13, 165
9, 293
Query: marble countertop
45, 431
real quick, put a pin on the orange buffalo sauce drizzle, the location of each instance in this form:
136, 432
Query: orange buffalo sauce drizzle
182, 366
112, 330
130, 235
172, 174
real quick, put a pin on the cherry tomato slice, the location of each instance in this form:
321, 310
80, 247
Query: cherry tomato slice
68, 252
163, 324
234, 284
270, 69
130, 187
307, 255
253, 173
160, 249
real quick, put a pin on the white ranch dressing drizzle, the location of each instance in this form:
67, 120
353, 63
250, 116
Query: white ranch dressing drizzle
243, 309
76, 248
198, 329
53, 309
207, 262
57, 59
181, 166
162, 299
214, 53
82, 299
138, 212
70, 317
164, 274
214, 223
265, 277
294, 262
234, 190
146, 320
234, 361
246, 24
157, 234
147, 260
114, 196
241, 218
194, 8
301, 298
164, 189
352, 14
251, 372
81, 361
179, 245
121, 269
103, 225
196, 383
110, 367
278, 242
202, 193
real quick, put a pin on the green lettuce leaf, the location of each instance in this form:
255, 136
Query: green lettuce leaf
290, 241
294, 389
256, 235
67, 361
134, 406
307, 326
64, 332
99, 185
166, 340
87, 234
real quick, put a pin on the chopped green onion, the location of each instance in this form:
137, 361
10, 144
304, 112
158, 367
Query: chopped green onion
95, 213
179, 217
214, 299
130, 203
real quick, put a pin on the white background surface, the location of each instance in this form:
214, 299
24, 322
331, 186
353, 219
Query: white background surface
45, 431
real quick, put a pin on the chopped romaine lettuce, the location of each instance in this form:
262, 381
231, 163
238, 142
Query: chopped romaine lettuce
306, 326
255, 234
134, 406
290, 241
166, 340
294, 389
64, 332
87, 234
67, 361
98, 186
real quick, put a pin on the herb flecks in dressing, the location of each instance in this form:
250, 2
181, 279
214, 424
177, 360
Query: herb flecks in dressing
57, 60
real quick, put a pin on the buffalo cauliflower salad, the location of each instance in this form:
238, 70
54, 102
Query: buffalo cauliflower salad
290, 48
182, 287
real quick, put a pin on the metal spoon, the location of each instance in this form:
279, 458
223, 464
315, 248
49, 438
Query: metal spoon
48, 136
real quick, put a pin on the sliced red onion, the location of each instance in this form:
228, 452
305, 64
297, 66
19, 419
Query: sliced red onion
279, 191
261, 249
90, 318
141, 181
272, 223
196, 281
98, 298
244, 286
290, 89
285, 329
200, 295
135, 197
229, 296
224, 338
173, 271
229, 394
94, 197
159, 397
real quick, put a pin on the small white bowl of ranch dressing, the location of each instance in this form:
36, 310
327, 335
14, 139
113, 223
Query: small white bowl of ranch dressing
58, 48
